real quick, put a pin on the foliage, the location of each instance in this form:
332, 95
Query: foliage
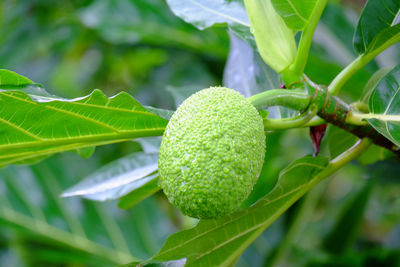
160, 53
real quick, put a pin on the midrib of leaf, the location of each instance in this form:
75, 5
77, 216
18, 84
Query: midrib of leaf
74, 241
219, 13
381, 117
296, 12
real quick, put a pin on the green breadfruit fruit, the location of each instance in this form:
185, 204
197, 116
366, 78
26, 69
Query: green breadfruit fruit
211, 153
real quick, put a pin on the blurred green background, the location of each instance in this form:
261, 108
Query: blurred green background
139, 46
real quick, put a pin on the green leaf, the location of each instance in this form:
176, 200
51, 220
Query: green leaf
64, 225
143, 21
180, 93
12, 80
220, 242
35, 124
373, 82
384, 105
206, 13
275, 41
344, 233
378, 24
117, 178
339, 140
245, 71
138, 194
296, 14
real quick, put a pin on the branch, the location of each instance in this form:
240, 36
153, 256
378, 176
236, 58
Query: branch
335, 111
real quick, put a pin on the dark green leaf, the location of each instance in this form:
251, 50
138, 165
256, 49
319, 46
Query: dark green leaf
47, 221
378, 24
372, 83
220, 242
345, 230
296, 14
384, 105
138, 194
143, 21
117, 178
339, 140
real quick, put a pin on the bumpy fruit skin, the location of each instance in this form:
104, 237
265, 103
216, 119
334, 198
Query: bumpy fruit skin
211, 153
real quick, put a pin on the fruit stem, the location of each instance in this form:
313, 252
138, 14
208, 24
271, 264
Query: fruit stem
295, 99
293, 122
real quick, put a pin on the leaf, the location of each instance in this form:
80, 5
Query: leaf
138, 194
384, 105
248, 74
339, 140
373, 82
35, 124
117, 178
378, 24
344, 232
275, 41
206, 13
150, 144
10, 79
163, 113
143, 21
220, 242
243, 72
296, 14
83, 232
180, 93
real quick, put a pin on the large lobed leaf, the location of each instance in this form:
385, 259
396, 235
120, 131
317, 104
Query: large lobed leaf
220, 242
34, 124
384, 104
379, 23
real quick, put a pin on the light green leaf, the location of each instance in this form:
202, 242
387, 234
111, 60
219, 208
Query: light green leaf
296, 13
117, 178
12, 80
275, 41
220, 242
35, 124
384, 104
378, 25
